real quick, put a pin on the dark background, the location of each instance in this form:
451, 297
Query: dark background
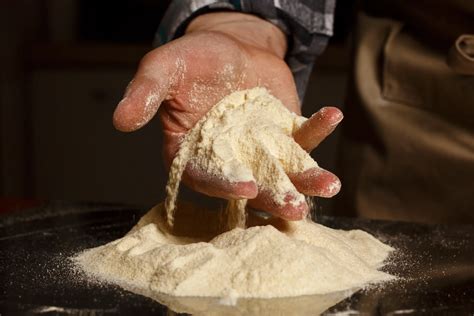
64, 65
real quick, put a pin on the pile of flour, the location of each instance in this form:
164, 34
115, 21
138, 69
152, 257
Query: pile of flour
183, 250
279, 259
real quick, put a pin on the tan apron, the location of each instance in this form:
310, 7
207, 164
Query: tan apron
408, 137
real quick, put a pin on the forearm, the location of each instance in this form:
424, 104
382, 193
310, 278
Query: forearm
245, 28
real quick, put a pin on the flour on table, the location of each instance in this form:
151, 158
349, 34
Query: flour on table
271, 259
184, 250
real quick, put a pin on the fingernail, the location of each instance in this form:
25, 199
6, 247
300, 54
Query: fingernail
333, 188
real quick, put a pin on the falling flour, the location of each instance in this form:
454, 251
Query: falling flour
184, 250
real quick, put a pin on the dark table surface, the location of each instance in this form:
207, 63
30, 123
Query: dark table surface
435, 265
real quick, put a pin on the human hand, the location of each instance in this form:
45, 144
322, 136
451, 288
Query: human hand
221, 53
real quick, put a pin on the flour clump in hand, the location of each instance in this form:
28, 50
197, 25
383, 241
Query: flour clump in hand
247, 136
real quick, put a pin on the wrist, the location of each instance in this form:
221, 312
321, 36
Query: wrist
245, 28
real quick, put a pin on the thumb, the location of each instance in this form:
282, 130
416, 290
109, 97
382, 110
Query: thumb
144, 94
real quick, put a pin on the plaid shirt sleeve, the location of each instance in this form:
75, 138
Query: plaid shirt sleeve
308, 25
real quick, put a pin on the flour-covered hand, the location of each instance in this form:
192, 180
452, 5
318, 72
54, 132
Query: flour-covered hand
219, 54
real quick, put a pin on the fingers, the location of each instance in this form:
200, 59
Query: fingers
291, 209
201, 181
150, 86
318, 127
316, 182
313, 182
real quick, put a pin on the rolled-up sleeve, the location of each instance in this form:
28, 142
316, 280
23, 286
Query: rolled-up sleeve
308, 25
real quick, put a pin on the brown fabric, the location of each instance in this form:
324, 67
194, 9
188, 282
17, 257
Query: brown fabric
408, 136
461, 55
438, 22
